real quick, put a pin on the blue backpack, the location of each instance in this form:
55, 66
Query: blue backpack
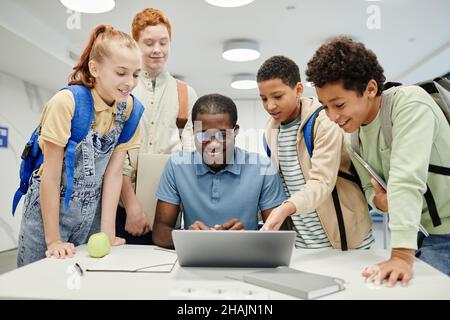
32, 156
308, 130
307, 134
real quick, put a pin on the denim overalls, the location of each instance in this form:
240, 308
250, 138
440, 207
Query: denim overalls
82, 217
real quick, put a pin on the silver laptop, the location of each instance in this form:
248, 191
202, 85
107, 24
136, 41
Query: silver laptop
150, 169
240, 249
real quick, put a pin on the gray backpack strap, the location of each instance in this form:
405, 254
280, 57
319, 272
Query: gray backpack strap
444, 83
443, 88
385, 115
354, 139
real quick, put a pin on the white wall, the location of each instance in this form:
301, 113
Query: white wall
252, 119
21, 105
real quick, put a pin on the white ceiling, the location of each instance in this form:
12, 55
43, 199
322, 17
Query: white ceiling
412, 44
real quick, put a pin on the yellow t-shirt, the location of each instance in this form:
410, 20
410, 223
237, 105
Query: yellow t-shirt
58, 113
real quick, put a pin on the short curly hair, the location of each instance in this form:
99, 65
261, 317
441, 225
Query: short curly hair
343, 60
279, 67
215, 103
149, 17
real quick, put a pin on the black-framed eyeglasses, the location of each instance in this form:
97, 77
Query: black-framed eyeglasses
219, 135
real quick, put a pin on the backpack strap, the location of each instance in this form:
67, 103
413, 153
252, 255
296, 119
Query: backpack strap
182, 105
340, 219
130, 126
385, 117
443, 82
443, 91
80, 124
308, 130
266, 146
354, 141
27, 166
386, 112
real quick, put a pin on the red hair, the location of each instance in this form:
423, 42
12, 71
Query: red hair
149, 17
97, 48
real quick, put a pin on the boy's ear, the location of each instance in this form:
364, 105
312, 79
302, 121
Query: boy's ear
93, 68
299, 88
236, 130
372, 88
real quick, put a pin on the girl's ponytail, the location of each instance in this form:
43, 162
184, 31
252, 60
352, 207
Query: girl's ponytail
81, 73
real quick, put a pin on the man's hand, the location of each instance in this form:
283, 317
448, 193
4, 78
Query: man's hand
136, 223
380, 199
398, 267
232, 224
198, 225
277, 216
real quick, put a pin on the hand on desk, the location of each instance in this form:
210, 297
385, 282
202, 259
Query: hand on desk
398, 267
60, 250
118, 241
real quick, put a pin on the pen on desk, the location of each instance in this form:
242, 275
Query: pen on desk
79, 269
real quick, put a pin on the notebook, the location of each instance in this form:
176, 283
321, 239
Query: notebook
294, 282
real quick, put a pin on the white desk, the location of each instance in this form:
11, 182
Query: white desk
55, 279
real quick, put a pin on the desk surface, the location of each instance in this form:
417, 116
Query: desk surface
56, 279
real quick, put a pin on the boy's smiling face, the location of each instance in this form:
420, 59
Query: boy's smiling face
154, 42
280, 100
346, 107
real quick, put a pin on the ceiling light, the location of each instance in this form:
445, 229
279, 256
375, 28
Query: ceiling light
244, 81
240, 50
229, 3
89, 6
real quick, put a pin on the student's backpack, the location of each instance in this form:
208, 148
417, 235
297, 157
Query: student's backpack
308, 135
182, 106
32, 156
439, 90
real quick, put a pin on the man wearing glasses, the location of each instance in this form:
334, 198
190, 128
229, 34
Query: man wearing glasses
220, 186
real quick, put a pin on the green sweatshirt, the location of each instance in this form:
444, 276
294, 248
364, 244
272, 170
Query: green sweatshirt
421, 136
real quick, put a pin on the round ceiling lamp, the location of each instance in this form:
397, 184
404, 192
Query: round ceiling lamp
241, 50
244, 81
229, 3
89, 6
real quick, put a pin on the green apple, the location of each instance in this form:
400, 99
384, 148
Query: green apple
98, 245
